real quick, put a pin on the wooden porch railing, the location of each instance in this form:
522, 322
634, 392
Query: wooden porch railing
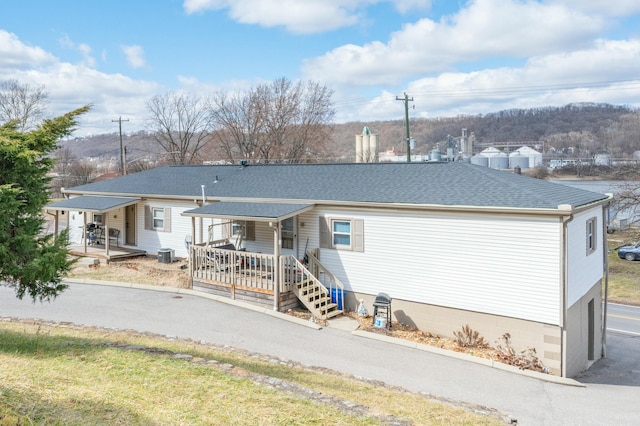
334, 286
247, 269
314, 284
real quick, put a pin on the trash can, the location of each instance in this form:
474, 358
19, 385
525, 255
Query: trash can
164, 255
336, 297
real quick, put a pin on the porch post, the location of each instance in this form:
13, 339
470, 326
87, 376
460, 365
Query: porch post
106, 233
276, 266
191, 249
84, 230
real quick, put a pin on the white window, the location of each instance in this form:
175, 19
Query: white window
158, 218
243, 230
97, 218
342, 234
591, 235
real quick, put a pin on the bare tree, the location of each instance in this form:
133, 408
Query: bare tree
181, 124
240, 122
70, 171
628, 200
283, 121
22, 104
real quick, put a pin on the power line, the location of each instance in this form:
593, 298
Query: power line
609, 85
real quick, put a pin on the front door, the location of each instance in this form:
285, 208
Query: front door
130, 225
289, 237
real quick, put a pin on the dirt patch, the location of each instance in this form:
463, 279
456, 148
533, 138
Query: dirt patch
141, 270
467, 341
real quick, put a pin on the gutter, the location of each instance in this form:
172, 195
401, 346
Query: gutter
348, 205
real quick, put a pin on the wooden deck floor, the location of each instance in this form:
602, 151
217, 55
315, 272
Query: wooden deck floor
100, 252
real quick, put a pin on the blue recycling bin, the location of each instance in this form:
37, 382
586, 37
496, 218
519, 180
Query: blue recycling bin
336, 297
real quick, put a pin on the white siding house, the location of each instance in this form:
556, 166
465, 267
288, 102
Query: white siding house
451, 243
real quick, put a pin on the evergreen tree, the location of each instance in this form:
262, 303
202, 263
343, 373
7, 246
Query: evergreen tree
31, 262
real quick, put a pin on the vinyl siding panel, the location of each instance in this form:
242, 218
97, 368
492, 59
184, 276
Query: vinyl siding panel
500, 265
151, 241
584, 270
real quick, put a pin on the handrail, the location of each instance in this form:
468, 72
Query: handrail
300, 279
320, 271
326, 278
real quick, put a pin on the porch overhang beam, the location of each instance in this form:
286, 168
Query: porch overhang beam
258, 212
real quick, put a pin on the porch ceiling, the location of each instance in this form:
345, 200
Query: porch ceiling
259, 212
92, 204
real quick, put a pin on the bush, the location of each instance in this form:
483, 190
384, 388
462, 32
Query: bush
469, 338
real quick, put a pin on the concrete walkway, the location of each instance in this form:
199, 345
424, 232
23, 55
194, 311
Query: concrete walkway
184, 314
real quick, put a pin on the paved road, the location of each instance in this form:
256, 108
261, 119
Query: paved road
623, 319
604, 400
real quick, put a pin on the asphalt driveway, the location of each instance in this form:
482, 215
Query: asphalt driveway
610, 393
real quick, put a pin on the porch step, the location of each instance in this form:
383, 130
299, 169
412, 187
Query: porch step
316, 298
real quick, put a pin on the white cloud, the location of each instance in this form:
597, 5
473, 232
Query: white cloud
585, 75
605, 7
71, 86
486, 29
306, 17
135, 56
301, 17
112, 95
84, 49
404, 6
15, 54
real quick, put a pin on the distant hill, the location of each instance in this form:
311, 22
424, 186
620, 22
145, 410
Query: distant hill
107, 145
581, 129
594, 127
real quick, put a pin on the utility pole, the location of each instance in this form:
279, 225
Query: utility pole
122, 170
406, 101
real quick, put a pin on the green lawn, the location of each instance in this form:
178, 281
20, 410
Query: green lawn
56, 375
624, 275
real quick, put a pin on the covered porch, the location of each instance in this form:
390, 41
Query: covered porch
99, 240
218, 266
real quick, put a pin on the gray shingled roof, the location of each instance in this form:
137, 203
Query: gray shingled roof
92, 203
446, 184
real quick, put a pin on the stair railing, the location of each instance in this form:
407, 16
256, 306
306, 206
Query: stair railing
334, 286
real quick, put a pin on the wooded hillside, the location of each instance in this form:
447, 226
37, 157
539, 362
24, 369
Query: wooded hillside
575, 130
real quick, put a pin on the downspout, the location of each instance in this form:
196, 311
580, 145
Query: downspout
565, 289
605, 254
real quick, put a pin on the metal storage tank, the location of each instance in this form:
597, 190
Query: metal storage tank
480, 160
435, 155
521, 161
499, 161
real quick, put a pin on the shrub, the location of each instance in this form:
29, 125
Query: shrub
469, 338
524, 360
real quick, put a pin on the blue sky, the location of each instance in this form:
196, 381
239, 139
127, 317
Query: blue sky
452, 57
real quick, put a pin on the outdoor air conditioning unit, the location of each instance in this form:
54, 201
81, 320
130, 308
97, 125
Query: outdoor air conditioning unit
166, 255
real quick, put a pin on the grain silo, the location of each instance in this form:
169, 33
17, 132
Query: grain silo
366, 147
